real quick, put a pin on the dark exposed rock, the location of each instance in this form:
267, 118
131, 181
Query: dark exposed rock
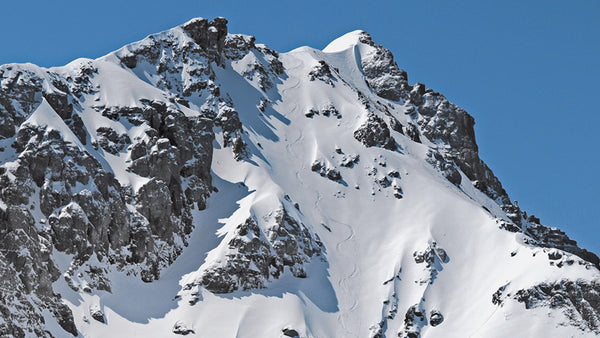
18, 89
443, 121
446, 167
412, 132
256, 257
84, 205
290, 332
64, 317
228, 119
60, 103
180, 328
316, 166
382, 72
555, 238
375, 133
433, 257
579, 300
330, 172
208, 35
130, 60
154, 202
414, 320
333, 174
330, 110
349, 161
238, 45
110, 141
436, 318
97, 314
311, 112
396, 125
321, 71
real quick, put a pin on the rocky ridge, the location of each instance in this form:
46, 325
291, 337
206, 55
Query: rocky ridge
117, 180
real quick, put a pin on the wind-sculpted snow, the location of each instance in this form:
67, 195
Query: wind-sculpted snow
198, 183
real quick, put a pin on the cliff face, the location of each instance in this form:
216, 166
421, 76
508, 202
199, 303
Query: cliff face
201, 165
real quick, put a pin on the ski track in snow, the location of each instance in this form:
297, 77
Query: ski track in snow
346, 245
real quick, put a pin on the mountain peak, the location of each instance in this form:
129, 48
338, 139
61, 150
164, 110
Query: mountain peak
347, 41
202, 180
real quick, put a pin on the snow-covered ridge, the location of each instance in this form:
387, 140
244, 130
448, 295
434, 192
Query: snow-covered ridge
197, 182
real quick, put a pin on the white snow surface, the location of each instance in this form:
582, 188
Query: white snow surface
368, 235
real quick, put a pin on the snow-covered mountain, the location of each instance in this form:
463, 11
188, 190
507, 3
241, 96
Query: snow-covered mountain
199, 183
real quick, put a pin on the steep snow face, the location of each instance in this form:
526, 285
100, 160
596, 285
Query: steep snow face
236, 191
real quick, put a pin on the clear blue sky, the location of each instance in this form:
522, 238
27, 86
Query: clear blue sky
528, 71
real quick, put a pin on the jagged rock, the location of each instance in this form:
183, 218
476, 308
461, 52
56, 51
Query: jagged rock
316, 166
70, 228
321, 71
256, 256
180, 328
579, 300
311, 112
330, 172
238, 45
396, 125
154, 202
349, 161
414, 320
554, 238
433, 257
412, 132
208, 35
110, 141
97, 314
382, 72
64, 317
17, 97
375, 133
228, 119
444, 121
290, 333
446, 167
130, 61
333, 174
60, 103
436, 318
330, 110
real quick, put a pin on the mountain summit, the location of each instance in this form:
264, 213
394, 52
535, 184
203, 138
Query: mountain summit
198, 183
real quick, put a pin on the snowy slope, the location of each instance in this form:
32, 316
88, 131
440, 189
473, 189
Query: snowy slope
325, 218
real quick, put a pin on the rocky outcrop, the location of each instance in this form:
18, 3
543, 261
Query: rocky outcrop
180, 328
26, 276
414, 320
433, 257
374, 132
555, 238
326, 171
436, 318
382, 72
578, 300
445, 167
257, 256
209, 35
80, 207
321, 71
441, 121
